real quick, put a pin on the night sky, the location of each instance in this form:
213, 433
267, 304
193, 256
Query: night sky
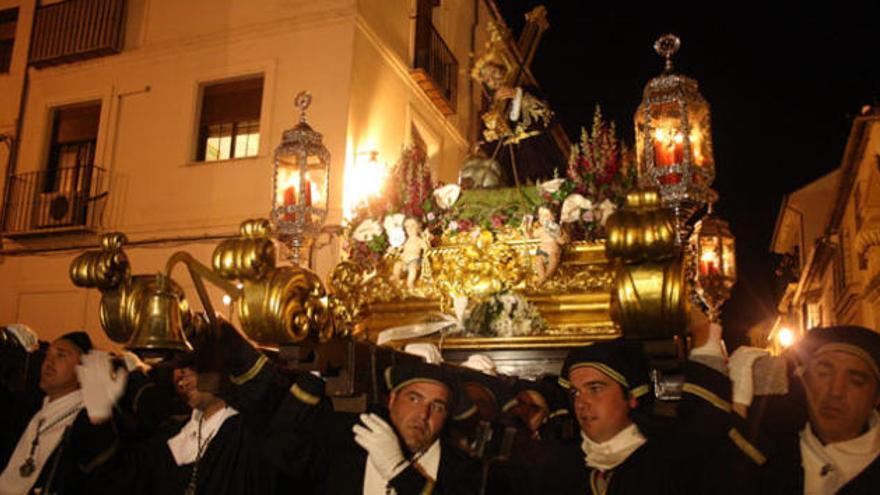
783, 88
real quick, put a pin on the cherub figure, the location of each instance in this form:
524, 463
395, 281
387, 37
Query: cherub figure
549, 252
410, 261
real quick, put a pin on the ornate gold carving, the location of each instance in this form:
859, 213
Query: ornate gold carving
105, 268
347, 302
641, 230
286, 305
577, 278
647, 298
478, 269
574, 302
249, 256
277, 305
122, 295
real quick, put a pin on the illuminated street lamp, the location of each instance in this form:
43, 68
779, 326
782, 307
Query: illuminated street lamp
300, 186
713, 259
674, 140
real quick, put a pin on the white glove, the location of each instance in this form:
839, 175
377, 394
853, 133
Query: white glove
713, 346
101, 386
429, 352
133, 362
380, 441
711, 353
25, 336
741, 366
481, 363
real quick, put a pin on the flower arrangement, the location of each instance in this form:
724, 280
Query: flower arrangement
498, 211
504, 314
377, 226
600, 172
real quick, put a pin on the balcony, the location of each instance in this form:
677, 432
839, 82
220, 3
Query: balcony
61, 200
435, 68
77, 30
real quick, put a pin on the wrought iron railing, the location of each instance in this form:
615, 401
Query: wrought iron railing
436, 59
77, 29
60, 199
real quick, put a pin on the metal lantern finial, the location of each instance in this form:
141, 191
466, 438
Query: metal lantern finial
302, 101
667, 46
301, 185
674, 140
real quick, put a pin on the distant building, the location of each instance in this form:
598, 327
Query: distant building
829, 235
159, 119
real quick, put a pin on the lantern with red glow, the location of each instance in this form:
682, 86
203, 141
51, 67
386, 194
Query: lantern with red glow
674, 139
713, 254
300, 186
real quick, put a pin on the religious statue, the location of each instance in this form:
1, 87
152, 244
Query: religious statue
549, 251
516, 117
412, 250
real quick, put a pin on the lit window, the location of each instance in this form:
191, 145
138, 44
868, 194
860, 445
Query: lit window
229, 126
8, 20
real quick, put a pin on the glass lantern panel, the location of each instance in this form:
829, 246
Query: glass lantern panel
316, 178
701, 139
667, 140
729, 257
641, 132
710, 261
286, 182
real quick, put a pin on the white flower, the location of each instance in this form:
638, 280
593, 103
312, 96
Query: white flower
396, 238
447, 195
606, 208
367, 230
431, 216
393, 222
453, 226
551, 186
394, 228
572, 206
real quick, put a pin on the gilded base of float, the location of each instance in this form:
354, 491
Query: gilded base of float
575, 303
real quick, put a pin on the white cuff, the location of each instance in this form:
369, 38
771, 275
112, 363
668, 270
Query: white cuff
516, 105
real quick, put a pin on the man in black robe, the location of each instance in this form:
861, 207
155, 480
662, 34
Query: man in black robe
216, 448
623, 448
21, 357
836, 385
398, 449
58, 447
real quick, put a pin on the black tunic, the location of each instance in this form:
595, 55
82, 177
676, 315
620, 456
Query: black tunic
783, 474
316, 444
233, 461
83, 449
231, 464
679, 455
772, 430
